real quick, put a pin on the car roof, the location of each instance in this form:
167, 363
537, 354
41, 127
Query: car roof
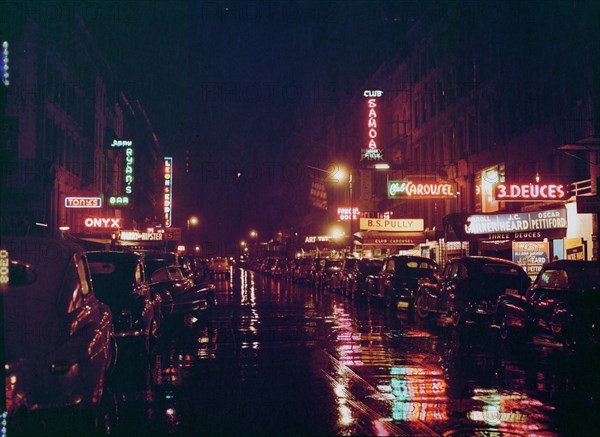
110, 255
476, 260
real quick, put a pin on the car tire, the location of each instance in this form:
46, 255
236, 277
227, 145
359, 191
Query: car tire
419, 311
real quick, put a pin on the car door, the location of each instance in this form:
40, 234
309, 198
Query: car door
449, 285
78, 362
547, 294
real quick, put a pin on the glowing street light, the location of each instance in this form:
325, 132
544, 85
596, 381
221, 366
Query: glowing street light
193, 220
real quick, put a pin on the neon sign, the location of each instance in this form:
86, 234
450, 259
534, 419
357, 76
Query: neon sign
100, 222
118, 200
345, 213
530, 192
4, 267
83, 202
128, 173
168, 190
4, 65
372, 152
418, 189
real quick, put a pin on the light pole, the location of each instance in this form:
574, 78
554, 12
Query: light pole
193, 220
254, 237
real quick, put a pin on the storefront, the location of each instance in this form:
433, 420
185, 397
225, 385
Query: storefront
376, 244
527, 238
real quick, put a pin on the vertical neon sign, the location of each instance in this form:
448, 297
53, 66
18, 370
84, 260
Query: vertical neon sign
168, 190
125, 199
372, 152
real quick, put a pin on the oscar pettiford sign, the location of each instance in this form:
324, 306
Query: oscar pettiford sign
522, 225
399, 225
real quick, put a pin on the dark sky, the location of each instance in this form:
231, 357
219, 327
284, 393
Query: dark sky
229, 83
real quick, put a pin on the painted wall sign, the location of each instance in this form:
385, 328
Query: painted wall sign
372, 152
83, 202
529, 192
400, 225
168, 190
102, 222
420, 189
344, 213
523, 222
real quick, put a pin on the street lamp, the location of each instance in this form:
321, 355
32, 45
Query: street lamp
193, 220
254, 237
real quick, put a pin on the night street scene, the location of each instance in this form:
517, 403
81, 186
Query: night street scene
300, 218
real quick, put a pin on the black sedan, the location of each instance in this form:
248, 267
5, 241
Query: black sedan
354, 283
564, 302
469, 288
397, 282
58, 341
120, 281
187, 297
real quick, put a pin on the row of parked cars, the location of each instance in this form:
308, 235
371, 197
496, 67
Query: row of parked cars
67, 313
563, 301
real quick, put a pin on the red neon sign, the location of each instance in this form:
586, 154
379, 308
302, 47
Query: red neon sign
372, 151
530, 192
345, 213
83, 202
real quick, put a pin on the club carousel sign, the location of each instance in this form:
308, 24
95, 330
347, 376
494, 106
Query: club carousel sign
420, 189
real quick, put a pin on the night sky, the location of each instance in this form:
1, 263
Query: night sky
232, 87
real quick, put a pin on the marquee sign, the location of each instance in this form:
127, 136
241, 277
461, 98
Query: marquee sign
420, 189
168, 190
400, 225
83, 202
525, 223
141, 236
528, 192
102, 222
317, 238
372, 152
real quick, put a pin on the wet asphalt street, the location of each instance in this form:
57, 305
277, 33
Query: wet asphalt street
276, 358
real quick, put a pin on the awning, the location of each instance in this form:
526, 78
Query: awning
380, 238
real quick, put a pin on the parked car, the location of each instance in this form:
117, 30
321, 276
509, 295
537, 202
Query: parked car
469, 288
120, 281
315, 271
58, 336
563, 301
354, 282
302, 269
337, 277
280, 267
187, 297
219, 267
323, 276
400, 276
267, 265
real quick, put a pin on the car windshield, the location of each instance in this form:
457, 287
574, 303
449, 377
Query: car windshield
153, 265
350, 263
416, 267
370, 266
504, 275
332, 263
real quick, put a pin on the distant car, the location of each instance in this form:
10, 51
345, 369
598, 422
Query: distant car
331, 268
400, 276
280, 268
354, 283
302, 268
120, 281
563, 301
187, 297
337, 277
219, 267
468, 289
58, 336
315, 271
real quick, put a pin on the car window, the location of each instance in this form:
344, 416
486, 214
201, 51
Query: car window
553, 278
175, 273
139, 274
75, 284
462, 272
390, 266
84, 276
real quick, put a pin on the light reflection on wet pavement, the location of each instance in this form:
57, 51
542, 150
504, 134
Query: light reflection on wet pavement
277, 358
